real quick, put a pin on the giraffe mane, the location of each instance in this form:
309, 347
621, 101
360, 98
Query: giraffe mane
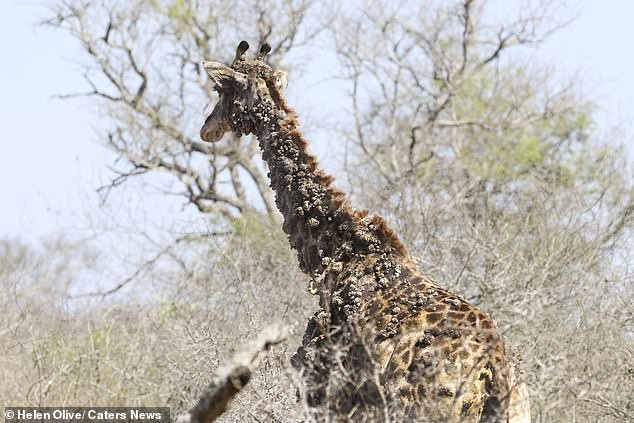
291, 123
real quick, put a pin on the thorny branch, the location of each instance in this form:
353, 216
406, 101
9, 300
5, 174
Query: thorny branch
230, 379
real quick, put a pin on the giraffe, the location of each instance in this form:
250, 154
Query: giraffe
386, 338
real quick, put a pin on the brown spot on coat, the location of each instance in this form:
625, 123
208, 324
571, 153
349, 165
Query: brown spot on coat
433, 318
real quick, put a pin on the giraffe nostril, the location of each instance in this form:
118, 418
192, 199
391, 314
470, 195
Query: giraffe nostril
211, 135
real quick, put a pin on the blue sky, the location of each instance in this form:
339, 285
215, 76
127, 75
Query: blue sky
51, 161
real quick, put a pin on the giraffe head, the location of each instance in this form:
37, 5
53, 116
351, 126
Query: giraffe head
239, 87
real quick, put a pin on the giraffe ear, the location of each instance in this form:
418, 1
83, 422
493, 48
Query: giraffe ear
222, 75
281, 80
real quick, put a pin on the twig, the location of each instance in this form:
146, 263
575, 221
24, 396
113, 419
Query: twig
232, 377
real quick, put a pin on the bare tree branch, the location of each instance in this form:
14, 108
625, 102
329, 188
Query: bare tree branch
136, 72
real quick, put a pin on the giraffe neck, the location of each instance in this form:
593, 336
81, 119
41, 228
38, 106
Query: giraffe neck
320, 223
